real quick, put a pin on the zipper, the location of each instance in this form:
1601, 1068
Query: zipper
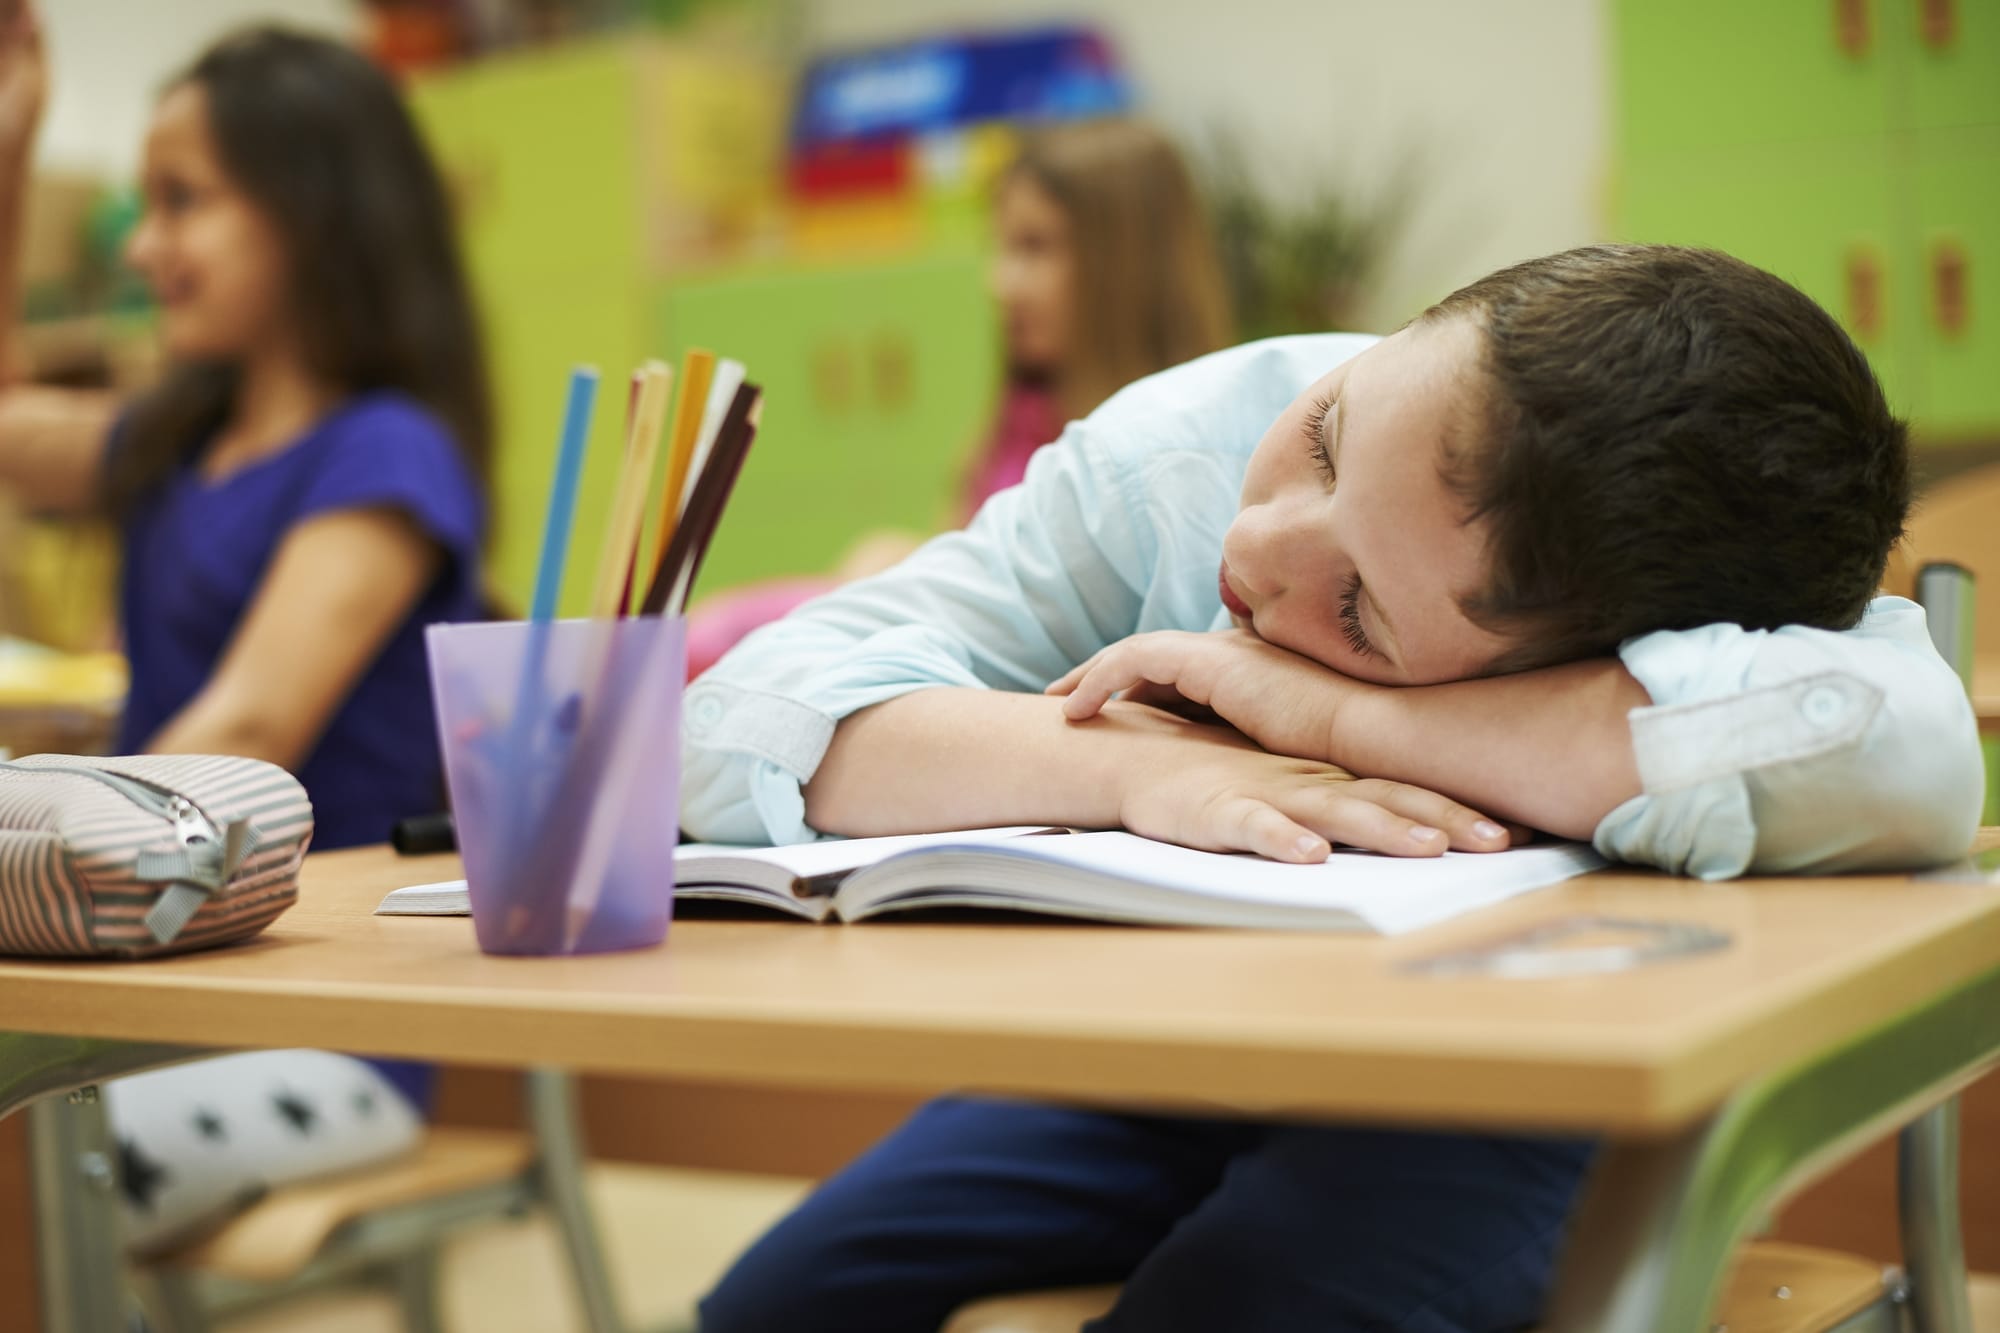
192, 827
179, 900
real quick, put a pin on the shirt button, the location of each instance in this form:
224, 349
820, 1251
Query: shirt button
704, 713
1824, 707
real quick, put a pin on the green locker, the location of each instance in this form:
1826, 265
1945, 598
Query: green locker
1953, 60
542, 156
1822, 217
1699, 74
543, 328
879, 378
1848, 145
1956, 275
542, 153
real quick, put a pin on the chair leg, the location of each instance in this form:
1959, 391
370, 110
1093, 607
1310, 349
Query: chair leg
552, 1111
1927, 1201
416, 1283
73, 1166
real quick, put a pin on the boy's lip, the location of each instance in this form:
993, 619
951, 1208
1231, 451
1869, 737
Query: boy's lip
1235, 605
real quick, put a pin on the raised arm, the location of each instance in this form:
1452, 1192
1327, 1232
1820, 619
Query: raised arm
52, 441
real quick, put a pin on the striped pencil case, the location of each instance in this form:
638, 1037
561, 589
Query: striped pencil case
145, 855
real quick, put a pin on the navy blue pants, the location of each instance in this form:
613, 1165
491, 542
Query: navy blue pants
1211, 1225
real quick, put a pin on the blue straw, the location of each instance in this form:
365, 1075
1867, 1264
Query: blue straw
525, 763
562, 492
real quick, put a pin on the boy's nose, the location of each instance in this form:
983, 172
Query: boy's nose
1260, 552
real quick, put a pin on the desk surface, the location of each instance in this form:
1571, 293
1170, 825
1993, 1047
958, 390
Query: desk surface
1249, 1022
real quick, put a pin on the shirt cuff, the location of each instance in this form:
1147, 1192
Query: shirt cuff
775, 728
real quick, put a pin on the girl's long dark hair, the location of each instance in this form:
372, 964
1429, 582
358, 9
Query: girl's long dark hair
320, 141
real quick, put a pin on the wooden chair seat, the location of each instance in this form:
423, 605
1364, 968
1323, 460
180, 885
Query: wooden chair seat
278, 1236
1820, 1288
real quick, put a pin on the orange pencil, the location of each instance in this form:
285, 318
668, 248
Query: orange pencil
697, 368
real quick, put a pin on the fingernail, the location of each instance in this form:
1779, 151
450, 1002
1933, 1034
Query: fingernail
1425, 833
1310, 847
1489, 830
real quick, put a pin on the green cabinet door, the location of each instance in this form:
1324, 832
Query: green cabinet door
541, 151
1953, 58
1957, 275
534, 337
1694, 75
1821, 217
878, 382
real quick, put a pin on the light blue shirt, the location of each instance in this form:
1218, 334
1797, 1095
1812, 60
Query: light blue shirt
1771, 751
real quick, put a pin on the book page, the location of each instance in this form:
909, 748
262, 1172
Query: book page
828, 857
1124, 877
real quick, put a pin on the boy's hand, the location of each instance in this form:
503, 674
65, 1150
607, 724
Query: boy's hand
1215, 790
1284, 702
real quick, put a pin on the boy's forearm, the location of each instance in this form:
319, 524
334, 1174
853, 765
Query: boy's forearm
959, 758
1551, 749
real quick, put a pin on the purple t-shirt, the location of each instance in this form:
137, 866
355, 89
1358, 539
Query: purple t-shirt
196, 553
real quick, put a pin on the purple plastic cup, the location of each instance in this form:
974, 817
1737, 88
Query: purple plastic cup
562, 752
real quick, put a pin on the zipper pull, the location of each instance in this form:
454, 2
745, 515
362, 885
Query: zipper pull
179, 901
173, 909
191, 826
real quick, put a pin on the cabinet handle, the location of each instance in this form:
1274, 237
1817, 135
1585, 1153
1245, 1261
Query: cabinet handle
1852, 30
1937, 23
1951, 288
1864, 293
833, 376
893, 361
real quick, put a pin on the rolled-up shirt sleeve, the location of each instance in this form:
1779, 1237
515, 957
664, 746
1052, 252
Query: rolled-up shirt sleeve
1798, 749
1046, 574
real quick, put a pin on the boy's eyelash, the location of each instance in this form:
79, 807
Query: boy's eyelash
1315, 432
1350, 617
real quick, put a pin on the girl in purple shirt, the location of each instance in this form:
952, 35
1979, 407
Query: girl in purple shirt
300, 494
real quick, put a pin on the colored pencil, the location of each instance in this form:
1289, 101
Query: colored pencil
628, 499
697, 369
680, 560
721, 393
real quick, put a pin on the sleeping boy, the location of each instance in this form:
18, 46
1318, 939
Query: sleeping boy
1590, 547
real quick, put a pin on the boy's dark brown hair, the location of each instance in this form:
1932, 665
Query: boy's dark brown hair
1672, 438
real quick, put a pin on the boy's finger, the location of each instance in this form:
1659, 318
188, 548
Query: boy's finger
1468, 830
1088, 694
1097, 686
1341, 816
1066, 682
1267, 831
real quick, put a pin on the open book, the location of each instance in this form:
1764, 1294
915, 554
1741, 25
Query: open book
1099, 876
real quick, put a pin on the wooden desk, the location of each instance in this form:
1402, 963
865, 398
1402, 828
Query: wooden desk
1842, 1006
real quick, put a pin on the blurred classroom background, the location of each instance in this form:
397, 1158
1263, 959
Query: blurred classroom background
804, 185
